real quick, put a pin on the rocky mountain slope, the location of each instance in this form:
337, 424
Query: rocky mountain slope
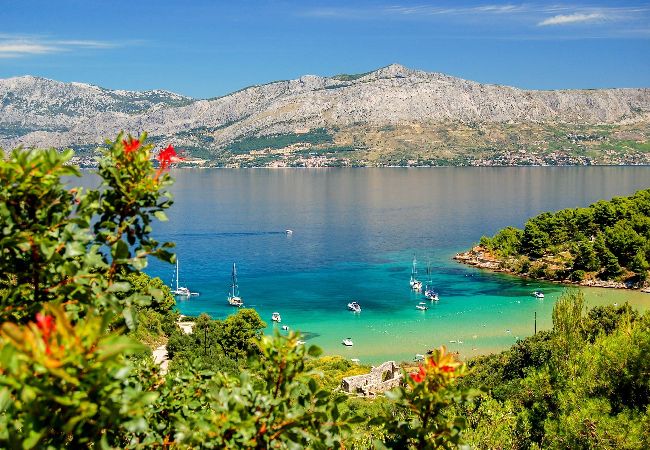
366, 117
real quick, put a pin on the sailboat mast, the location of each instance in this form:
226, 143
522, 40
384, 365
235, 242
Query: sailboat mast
177, 274
234, 280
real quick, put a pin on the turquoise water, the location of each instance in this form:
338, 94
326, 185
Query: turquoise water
355, 234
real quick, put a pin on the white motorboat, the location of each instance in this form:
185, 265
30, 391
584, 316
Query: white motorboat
354, 306
538, 294
285, 327
288, 232
347, 342
275, 317
418, 357
422, 306
300, 342
181, 291
233, 296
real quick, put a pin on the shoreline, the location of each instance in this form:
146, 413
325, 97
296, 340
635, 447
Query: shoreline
479, 258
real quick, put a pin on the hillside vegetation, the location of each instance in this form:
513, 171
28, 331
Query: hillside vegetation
608, 240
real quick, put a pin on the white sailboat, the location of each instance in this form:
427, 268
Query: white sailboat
416, 285
233, 297
429, 292
182, 290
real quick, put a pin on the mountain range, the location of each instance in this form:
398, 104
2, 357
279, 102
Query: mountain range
390, 116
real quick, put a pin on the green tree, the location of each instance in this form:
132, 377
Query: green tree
568, 324
239, 334
534, 241
585, 257
639, 265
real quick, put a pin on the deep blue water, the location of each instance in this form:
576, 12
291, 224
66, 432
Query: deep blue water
355, 232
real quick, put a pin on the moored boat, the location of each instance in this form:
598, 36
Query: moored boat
233, 297
347, 342
538, 294
416, 284
354, 306
275, 317
182, 291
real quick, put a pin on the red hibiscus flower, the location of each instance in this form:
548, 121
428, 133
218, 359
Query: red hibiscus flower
131, 145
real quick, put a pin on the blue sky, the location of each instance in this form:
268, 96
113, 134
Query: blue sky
209, 48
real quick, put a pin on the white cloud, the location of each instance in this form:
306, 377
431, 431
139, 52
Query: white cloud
564, 19
16, 46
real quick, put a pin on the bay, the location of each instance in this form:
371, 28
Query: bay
355, 232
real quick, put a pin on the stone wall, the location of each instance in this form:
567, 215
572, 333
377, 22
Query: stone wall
381, 378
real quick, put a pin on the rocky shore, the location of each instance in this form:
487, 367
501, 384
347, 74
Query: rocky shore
479, 257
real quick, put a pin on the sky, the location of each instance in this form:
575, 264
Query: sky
208, 48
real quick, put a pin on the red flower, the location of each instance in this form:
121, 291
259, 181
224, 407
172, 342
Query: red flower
168, 156
419, 376
46, 325
447, 368
131, 145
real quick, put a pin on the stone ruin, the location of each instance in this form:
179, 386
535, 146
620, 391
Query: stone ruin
381, 378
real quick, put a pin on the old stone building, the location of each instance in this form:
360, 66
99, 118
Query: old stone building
381, 378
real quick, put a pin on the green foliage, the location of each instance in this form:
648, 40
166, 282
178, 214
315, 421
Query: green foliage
585, 257
609, 240
426, 407
274, 404
330, 370
314, 137
506, 242
74, 247
587, 387
68, 385
216, 345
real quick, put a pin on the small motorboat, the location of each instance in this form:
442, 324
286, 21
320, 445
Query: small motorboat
418, 357
355, 360
422, 306
347, 342
288, 232
300, 342
538, 294
354, 306
285, 327
275, 317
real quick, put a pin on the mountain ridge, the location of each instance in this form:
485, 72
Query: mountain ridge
35, 111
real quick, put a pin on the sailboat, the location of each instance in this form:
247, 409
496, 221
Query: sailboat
429, 293
233, 297
416, 285
182, 290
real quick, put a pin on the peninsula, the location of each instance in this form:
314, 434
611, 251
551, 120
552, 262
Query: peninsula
606, 244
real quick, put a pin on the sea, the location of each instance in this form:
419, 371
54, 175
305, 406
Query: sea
355, 233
